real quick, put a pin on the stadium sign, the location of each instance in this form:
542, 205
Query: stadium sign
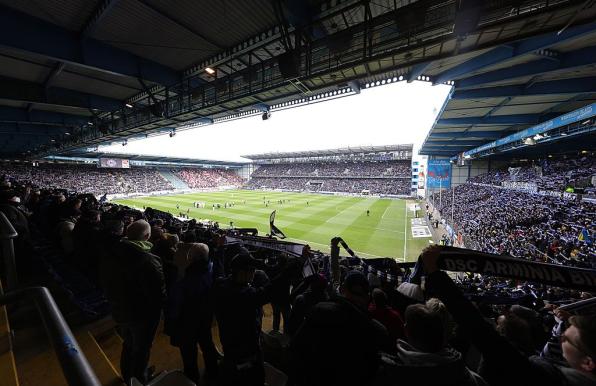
463, 260
563, 120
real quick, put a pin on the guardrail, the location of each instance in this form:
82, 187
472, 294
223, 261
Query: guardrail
73, 362
7, 235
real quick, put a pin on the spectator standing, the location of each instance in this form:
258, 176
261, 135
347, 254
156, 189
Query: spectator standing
189, 314
339, 343
133, 282
237, 309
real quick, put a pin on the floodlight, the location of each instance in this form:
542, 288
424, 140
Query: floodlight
209, 70
128, 105
564, 134
401, 77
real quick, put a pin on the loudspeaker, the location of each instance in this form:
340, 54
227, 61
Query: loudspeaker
288, 65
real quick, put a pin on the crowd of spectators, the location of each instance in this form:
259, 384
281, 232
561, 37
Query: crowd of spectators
525, 225
208, 178
555, 174
394, 186
88, 178
368, 331
336, 169
380, 177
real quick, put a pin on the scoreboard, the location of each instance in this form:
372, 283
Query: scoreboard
115, 163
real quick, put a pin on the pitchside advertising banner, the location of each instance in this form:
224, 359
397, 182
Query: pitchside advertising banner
116, 163
439, 174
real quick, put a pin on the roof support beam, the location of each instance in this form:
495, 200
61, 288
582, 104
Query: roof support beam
491, 57
23, 32
432, 142
516, 119
55, 72
578, 58
503, 53
101, 12
469, 134
564, 86
13, 114
29, 92
183, 25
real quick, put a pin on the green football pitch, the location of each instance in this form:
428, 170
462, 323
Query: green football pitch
307, 218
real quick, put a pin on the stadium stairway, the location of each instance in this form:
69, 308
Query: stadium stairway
176, 182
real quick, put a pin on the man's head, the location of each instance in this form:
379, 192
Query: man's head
379, 298
356, 289
438, 307
243, 267
139, 230
198, 253
578, 343
424, 328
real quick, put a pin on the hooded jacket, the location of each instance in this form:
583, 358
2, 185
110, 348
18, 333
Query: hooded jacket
133, 281
442, 368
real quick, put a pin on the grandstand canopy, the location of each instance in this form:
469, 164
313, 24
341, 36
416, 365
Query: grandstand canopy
154, 160
332, 152
505, 89
82, 73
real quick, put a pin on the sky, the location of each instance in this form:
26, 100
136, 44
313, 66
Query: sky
392, 114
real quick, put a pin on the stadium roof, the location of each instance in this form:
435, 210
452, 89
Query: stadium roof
508, 88
331, 152
90, 155
80, 73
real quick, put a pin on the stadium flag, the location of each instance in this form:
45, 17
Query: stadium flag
273, 230
584, 235
465, 260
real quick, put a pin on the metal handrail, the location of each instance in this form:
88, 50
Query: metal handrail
7, 234
75, 366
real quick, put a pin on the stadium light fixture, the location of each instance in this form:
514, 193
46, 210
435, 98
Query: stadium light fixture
564, 134
67, 133
128, 105
401, 77
125, 142
210, 70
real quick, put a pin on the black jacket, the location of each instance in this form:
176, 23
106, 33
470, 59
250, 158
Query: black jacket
133, 281
189, 308
237, 310
338, 344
